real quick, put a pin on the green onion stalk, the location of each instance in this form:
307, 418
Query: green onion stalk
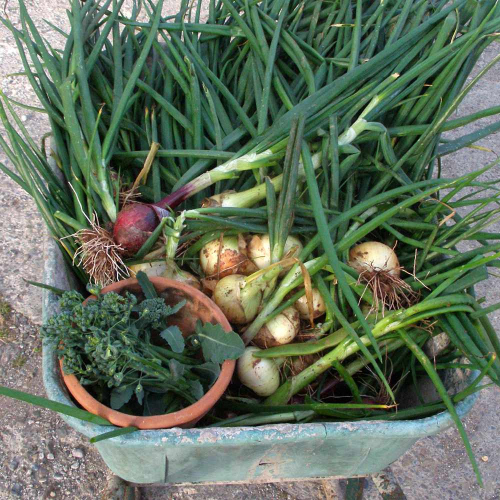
220, 91
135, 221
396, 320
161, 261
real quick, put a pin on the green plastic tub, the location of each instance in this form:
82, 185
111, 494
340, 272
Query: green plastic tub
267, 453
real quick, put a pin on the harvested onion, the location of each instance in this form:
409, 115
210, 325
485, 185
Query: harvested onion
165, 269
374, 256
378, 266
318, 304
238, 300
259, 250
260, 375
218, 260
280, 330
221, 257
152, 269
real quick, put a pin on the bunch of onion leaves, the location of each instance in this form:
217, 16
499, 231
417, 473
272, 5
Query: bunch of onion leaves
196, 108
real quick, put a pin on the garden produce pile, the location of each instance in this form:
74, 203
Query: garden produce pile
285, 158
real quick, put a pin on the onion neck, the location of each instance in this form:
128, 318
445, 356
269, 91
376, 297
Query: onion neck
227, 170
174, 236
252, 196
292, 280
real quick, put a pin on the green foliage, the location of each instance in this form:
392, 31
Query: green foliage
173, 336
20, 361
4, 309
216, 344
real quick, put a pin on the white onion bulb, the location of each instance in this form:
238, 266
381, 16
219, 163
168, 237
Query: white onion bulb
165, 269
319, 307
280, 330
374, 256
260, 375
222, 260
259, 250
152, 269
238, 300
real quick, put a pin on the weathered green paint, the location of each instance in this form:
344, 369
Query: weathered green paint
267, 453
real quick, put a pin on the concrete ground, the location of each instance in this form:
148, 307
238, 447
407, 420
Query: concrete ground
41, 457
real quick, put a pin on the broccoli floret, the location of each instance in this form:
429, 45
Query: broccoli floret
70, 300
153, 312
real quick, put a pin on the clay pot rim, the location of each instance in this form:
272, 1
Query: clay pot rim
186, 417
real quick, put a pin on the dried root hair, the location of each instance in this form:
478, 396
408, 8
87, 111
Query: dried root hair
379, 391
389, 291
99, 256
128, 195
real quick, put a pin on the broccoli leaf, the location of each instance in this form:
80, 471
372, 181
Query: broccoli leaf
176, 308
196, 389
121, 396
155, 404
173, 336
217, 344
146, 285
176, 369
208, 371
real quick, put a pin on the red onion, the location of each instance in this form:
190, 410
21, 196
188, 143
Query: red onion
135, 222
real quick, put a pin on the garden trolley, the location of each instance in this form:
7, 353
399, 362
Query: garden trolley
267, 453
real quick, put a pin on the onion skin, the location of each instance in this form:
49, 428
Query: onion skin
259, 250
165, 269
220, 259
319, 307
374, 256
186, 277
300, 363
280, 330
259, 375
238, 301
134, 224
218, 200
152, 269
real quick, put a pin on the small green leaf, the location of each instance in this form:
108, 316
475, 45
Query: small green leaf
196, 389
176, 369
120, 396
139, 393
173, 336
146, 285
217, 344
176, 308
209, 371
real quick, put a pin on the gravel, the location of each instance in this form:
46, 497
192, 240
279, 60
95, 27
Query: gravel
38, 448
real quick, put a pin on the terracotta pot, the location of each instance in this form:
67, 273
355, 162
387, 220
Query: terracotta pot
198, 306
